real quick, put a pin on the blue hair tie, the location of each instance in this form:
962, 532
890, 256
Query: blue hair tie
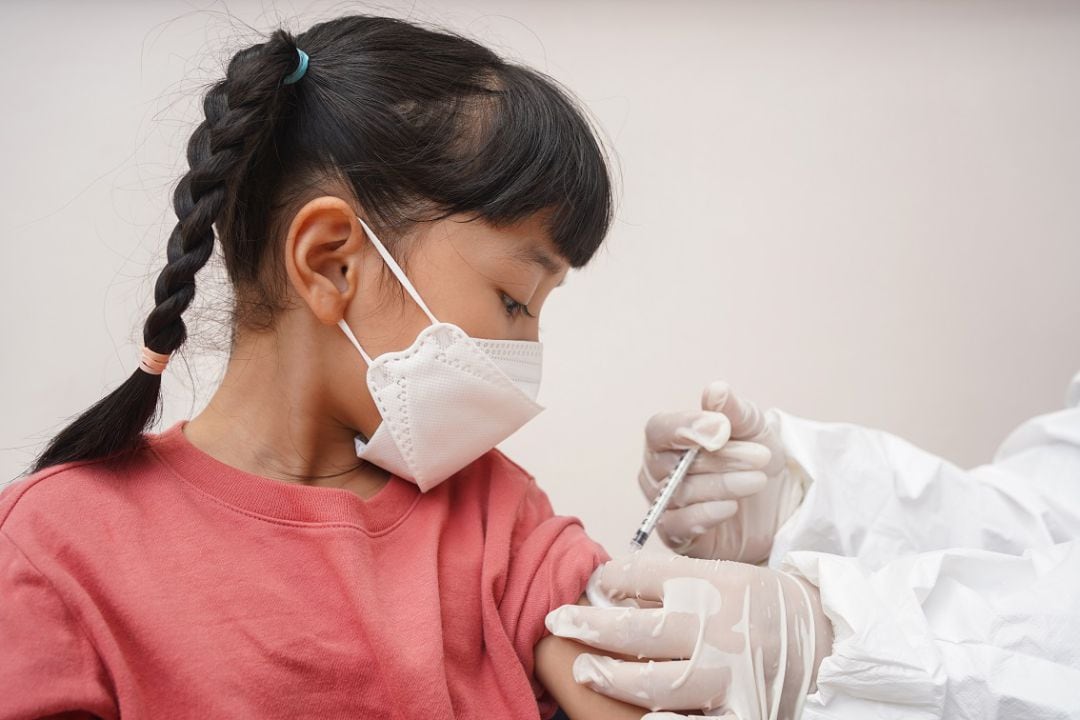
300, 68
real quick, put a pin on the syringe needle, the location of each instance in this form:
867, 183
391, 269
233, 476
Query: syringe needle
659, 505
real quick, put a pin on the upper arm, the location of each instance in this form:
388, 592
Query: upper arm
551, 559
554, 660
46, 653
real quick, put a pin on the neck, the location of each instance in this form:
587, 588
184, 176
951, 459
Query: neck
269, 417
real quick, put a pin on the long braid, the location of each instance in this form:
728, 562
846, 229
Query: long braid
240, 113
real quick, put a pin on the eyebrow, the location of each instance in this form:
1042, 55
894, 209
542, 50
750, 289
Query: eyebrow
538, 256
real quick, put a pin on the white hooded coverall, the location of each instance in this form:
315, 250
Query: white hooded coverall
953, 593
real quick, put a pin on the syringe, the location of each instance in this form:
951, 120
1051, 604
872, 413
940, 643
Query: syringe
659, 505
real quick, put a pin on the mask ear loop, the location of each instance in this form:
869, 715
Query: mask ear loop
352, 338
396, 269
399, 274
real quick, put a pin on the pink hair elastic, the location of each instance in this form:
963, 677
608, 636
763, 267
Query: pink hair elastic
152, 362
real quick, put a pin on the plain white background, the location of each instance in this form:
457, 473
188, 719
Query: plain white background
862, 211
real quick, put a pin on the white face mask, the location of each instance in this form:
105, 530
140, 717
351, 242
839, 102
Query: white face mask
446, 399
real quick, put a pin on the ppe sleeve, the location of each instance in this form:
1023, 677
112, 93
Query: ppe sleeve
551, 561
874, 496
48, 665
949, 634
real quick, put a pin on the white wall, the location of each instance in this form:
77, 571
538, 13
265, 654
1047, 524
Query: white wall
865, 211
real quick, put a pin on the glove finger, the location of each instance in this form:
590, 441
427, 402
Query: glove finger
642, 574
651, 633
684, 429
735, 455
685, 523
652, 684
747, 421
707, 488
650, 488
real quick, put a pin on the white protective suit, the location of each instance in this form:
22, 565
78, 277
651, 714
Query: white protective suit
952, 593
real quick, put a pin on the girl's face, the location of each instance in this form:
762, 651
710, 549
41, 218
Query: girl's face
491, 282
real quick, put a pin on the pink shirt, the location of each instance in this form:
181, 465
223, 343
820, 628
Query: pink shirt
173, 585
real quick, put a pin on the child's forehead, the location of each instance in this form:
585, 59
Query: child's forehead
540, 256
531, 242
525, 242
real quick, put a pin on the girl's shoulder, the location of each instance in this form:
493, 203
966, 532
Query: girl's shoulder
507, 468
500, 487
494, 471
70, 494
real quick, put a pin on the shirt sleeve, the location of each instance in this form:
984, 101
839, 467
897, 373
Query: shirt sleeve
948, 634
48, 665
551, 559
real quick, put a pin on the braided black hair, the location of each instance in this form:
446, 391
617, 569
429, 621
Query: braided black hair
415, 121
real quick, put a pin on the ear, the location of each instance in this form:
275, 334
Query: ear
323, 249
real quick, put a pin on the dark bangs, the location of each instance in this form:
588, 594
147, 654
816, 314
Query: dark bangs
528, 147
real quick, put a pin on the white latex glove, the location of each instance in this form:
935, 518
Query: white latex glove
720, 636
737, 493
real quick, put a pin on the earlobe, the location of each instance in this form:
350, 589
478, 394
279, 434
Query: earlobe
322, 256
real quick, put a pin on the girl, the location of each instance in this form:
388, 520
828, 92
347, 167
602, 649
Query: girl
334, 535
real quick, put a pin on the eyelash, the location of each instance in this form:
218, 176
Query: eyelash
513, 307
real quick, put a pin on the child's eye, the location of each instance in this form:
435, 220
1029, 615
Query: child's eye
513, 307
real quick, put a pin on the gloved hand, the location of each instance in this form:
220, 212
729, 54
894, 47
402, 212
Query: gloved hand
737, 494
719, 636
